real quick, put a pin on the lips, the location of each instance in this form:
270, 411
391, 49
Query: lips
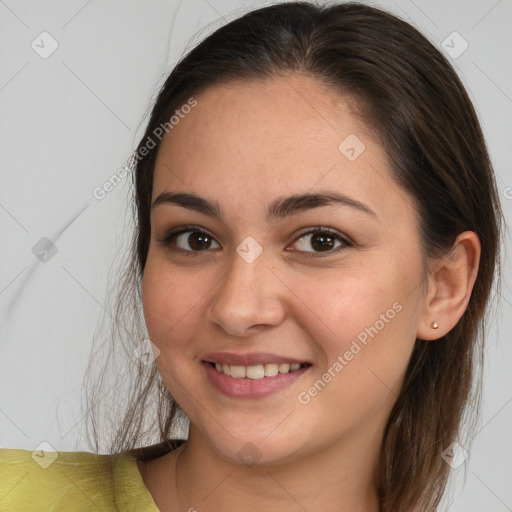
252, 375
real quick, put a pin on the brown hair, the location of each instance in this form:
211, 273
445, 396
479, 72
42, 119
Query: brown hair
410, 93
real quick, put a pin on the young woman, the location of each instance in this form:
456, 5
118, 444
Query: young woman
317, 236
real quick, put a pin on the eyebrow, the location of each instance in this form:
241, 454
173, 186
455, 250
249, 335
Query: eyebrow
281, 207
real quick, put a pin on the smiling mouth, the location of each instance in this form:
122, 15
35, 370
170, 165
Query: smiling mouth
258, 371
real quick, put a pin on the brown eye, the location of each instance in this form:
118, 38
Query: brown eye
198, 241
195, 240
321, 240
189, 241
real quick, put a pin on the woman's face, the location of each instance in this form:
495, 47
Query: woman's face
254, 283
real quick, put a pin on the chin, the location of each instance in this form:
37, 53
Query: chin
254, 447
257, 451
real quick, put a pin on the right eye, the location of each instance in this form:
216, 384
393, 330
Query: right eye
188, 239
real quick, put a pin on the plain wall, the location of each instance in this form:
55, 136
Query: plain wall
68, 122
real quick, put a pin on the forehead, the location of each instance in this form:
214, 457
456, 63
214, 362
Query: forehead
246, 142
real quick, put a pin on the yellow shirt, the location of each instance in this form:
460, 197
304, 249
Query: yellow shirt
72, 482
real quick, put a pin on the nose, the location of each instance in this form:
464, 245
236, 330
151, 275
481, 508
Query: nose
247, 299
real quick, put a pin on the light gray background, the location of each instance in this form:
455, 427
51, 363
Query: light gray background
70, 121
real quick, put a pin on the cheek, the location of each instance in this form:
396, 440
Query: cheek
169, 295
363, 323
337, 307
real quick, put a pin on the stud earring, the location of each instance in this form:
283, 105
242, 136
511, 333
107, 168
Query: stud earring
435, 325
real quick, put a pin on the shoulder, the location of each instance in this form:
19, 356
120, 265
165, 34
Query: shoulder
41, 480
78, 481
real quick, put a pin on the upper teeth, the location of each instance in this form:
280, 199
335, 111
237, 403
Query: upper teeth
257, 371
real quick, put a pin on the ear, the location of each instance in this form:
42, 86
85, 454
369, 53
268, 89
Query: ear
449, 288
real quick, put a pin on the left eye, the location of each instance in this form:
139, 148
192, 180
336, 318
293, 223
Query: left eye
321, 241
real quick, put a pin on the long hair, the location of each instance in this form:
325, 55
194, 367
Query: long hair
406, 89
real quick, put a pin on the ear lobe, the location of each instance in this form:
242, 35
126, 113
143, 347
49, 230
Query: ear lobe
449, 288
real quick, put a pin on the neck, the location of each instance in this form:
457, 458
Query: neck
340, 478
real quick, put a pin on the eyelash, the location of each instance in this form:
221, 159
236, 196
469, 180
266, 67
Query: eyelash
173, 233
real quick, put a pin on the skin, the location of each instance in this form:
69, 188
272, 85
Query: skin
244, 145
